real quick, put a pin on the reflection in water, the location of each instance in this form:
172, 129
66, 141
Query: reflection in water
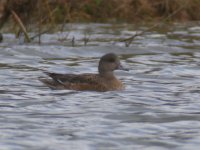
158, 110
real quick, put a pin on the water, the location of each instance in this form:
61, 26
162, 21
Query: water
158, 110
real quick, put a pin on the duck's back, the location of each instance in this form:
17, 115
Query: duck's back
82, 82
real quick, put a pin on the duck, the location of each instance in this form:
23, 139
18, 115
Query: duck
103, 81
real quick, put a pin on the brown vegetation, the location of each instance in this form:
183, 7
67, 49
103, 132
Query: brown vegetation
126, 10
131, 11
21, 7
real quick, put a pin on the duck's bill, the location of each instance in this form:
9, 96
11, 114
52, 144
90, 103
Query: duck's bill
122, 68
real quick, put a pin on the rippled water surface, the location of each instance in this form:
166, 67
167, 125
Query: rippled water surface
158, 110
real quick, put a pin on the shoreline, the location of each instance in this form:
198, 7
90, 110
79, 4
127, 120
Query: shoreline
100, 11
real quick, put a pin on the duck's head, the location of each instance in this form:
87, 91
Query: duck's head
110, 62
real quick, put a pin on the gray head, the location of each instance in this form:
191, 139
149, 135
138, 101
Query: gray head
108, 63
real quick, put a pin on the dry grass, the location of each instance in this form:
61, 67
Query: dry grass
132, 11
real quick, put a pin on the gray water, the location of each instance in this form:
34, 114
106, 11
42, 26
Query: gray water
158, 110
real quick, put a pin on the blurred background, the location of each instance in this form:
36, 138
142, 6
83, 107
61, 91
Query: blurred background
112, 11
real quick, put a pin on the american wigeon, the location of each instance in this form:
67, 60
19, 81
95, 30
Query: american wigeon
103, 81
